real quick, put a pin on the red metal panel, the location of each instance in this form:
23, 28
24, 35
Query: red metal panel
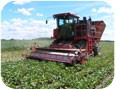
90, 45
62, 49
65, 14
49, 57
100, 26
78, 38
61, 46
55, 33
81, 32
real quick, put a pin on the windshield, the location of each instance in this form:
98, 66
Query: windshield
64, 21
69, 20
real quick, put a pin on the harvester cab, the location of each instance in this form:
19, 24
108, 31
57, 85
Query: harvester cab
75, 40
65, 24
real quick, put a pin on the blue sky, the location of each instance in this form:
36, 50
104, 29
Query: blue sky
26, 19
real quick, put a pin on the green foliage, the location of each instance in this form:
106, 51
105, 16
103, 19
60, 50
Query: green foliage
27, 73
11, 45
108, 82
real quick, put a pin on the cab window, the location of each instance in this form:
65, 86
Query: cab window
61, 22
75, 20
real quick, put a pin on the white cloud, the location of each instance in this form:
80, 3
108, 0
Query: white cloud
108, 32
18, 21
42, 22
93, 10
21, 2
104, 10
25, 11
30, 9
107, 23
37, 22
20, 29
5, 23
108, 35
106, 17
51, 21
39, 14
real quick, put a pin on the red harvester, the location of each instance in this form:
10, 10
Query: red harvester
75, 40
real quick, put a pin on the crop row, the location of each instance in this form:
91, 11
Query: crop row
35, 74
109, 81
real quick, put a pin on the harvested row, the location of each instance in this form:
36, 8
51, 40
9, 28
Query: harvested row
106, 82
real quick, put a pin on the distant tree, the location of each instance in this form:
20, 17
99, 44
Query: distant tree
11, 39
3, 39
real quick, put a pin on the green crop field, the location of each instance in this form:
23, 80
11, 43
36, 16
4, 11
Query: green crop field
18, 72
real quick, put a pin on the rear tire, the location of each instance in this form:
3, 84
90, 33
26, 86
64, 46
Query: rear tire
97, 50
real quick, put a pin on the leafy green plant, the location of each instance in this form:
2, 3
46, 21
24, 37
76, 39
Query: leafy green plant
18, 72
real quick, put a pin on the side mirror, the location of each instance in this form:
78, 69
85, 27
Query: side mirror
46, 21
